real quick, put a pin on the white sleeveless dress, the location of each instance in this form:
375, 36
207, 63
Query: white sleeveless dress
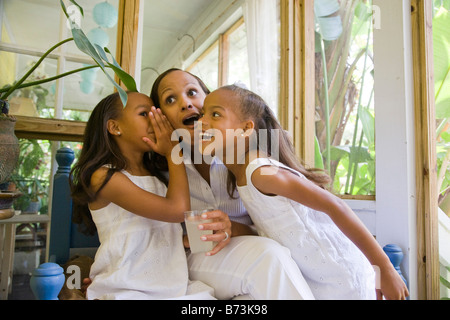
332, 265
140, 258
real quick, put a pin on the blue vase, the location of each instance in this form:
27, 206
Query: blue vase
395, 254
47, 281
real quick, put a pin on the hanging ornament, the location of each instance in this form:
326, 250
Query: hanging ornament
105, 15
86, 87
89, 74
98, 36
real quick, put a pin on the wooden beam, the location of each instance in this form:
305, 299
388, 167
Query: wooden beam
425, 132
224, 58
127, 35
297, 72
49, 129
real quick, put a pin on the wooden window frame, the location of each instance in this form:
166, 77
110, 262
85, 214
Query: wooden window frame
297, 74
425, 156
224, 53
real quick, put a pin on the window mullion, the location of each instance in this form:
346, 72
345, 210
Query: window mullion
224, 56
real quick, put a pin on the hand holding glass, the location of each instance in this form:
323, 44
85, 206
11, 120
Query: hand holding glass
193, 219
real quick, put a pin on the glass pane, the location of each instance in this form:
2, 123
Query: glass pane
36, 100
23, 26
83, 90
207, 67
32, 176
441, 51
346, 137
238, 70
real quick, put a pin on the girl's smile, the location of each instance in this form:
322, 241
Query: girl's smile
220, 124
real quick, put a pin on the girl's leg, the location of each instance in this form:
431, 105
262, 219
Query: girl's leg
252, 266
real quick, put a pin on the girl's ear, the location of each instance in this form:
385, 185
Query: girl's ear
113, 127
249, 128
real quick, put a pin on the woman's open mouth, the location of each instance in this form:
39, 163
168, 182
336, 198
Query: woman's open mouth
191, 119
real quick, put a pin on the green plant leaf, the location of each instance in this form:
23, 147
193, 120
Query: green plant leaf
368, 124
127, 80
330, 27
79, 7
441, 43
323, 8
359, 154
445, 282
86, 46
98, 55
318, 160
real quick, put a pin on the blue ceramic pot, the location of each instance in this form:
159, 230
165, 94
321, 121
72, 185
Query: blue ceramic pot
47, 281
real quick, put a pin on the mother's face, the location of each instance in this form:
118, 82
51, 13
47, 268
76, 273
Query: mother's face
181, 99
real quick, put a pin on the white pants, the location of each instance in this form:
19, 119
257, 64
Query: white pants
251, 266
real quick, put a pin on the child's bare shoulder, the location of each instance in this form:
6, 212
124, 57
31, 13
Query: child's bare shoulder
99, 176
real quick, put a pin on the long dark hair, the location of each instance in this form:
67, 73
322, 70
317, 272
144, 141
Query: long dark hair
253, 107
100, 149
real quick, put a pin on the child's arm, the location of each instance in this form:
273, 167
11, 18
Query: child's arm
285, 183
123, 192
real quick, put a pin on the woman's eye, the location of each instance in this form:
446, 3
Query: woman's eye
170, 100
144, 113
192, 92
215, 114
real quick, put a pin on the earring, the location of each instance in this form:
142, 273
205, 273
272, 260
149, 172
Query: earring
118, 133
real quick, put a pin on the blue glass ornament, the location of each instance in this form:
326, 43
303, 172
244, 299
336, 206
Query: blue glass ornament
89, 74
86, 87
98, 36
105, 15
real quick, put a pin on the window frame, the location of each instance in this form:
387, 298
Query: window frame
224, 49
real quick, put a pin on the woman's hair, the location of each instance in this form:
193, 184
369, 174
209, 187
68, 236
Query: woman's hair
100, 149
154, 93
253, 107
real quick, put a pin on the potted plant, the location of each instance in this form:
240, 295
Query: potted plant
9, 145
9, 154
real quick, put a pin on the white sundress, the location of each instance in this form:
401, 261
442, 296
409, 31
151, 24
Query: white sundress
140, 258
332, 265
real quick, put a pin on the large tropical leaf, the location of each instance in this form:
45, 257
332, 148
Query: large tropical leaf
360, 154
368, 124
318, 160
441, 42
99, 56
330, 25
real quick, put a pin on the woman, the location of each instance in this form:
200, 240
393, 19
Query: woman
241, 265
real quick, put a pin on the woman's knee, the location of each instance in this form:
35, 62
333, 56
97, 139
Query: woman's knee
264, 247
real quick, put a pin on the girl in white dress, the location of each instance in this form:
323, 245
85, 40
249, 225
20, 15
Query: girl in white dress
289, 203
118, 186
